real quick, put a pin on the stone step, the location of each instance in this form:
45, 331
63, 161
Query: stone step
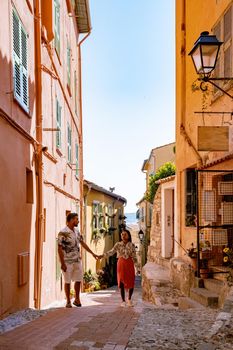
220, 272
185, 303
204, 297
220, 276
213, 285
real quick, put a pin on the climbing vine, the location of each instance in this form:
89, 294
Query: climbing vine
165, 170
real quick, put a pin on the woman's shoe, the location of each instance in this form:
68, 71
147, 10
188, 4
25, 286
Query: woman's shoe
129, 303
123, 304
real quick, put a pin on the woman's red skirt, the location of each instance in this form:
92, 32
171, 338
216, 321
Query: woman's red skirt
125, 272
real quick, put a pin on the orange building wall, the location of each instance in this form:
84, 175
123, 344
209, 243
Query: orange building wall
17, 217
192, 18
18, 133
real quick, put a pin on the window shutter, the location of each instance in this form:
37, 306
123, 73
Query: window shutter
24, 66
20, 62
76, 154
68, 64
16, 55
58, 134
57, 25
227, 25
227, 62
69, 143
75, 91
190, 194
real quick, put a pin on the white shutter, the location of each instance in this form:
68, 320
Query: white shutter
16, 56
20, 62
24, 67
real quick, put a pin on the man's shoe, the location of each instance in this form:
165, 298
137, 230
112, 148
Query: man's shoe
77, 304
68, 305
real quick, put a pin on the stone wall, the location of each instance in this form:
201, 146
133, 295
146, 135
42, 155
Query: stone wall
154, 249
156, 285
182, 275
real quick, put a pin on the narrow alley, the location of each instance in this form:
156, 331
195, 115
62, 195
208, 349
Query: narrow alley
102, 324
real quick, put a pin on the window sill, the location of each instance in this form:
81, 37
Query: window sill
27, 113
50, 157
59, 152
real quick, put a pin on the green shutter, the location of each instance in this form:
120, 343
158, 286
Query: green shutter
75, 91
20, 62
57, 25
76, 156
69, 143
58, 133
68, 64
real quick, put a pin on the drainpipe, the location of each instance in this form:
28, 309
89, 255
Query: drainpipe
39, 163
81, 131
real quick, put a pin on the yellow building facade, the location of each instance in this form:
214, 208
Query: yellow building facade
194, 109
103, 220
158, 157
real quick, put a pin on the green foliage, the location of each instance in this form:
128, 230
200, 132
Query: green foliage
165, 170
94, 281
88, 276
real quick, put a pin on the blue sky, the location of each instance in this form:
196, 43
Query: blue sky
128, 72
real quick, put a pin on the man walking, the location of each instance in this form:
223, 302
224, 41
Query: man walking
69, 240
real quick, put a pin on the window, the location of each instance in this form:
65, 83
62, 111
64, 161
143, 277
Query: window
20, 62
68, 64
76, 158
58, 133
191, 203
75, 92
57, 25
223, 32
29, 186
68, 143
98, 219
110, 212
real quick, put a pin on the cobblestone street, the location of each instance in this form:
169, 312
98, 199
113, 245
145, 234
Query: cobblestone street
102, 324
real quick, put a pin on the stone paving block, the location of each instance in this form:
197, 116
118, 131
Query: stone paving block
206, 346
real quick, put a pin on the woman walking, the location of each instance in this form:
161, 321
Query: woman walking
126, 255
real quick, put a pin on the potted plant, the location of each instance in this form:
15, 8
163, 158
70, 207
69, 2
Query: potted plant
192, 253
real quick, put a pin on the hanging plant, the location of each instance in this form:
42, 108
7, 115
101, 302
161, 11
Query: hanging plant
96, 236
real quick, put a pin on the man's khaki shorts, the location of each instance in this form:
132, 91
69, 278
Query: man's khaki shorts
73, 273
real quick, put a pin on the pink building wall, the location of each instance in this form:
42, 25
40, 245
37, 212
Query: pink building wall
19, 199
17, 216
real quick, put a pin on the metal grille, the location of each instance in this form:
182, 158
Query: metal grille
214, 218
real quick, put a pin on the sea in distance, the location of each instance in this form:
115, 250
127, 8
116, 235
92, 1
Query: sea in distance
131, 218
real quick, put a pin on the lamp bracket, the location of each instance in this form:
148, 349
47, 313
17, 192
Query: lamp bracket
207, 79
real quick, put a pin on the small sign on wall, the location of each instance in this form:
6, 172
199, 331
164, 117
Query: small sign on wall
213, 138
